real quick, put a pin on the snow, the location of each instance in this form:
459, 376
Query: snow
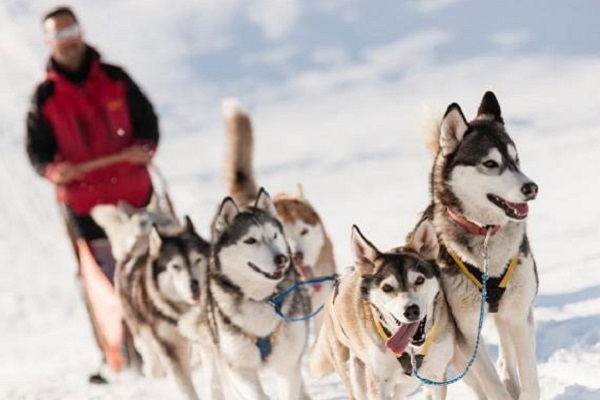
335, 89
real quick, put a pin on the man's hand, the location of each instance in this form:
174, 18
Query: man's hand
63, 173
137, 154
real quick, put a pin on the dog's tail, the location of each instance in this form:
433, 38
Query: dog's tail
320, 356
239, 172
431, 128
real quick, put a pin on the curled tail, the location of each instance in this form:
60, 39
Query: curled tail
239, 173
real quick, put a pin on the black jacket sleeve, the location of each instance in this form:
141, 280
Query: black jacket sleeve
143, 117
40, 141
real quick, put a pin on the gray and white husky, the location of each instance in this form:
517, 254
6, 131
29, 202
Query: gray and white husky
479, 189
160, 279
250, 264
389, 307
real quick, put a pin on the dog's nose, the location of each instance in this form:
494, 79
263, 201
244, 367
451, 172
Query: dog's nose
280, 260
530, 190
298, 257
412, 312
195, 285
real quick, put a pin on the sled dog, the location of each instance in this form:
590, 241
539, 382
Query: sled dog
389, 307
479, 190
160, 279
310, 246
250, 264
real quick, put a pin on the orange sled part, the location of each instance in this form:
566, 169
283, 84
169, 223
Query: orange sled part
104, 307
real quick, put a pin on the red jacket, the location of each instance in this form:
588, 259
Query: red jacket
81, 116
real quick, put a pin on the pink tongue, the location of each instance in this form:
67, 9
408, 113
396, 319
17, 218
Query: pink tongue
399, 340
522, 208
308, 273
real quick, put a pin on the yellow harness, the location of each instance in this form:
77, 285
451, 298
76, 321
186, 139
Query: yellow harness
495, 286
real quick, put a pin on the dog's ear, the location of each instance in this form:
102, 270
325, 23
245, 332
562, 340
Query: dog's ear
299, 191
453, 128
264, 202
108, 216
155, 241
188, 226
489, 109
424, 241
365, 253
225, 216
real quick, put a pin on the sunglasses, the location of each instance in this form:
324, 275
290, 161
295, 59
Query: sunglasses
70, 32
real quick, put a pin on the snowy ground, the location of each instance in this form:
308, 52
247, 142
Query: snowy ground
337, 108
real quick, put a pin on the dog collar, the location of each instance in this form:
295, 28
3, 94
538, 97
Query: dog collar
495, 286
471, 226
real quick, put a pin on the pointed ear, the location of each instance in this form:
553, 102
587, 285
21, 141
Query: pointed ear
489, 109
225, 216
365, 253
264, 202
154, 204
155, 241
424, 241
299, 192
126, 208
453, 128
108, 216
188, 226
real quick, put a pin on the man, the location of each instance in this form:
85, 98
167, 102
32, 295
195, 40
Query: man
91, 132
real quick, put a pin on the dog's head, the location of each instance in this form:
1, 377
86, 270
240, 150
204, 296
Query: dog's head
249, 246
477, 170
128, 228
401, 285
303, 230
179, 263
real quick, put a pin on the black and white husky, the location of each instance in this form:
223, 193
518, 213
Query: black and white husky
478, 189
159, 279
250, 264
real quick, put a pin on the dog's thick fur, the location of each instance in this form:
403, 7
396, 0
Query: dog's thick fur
159, 278
250, 264
477, 176
391, 287
311, 247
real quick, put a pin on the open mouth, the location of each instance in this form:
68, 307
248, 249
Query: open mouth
278, 274
306, 272
513, 210
411, 333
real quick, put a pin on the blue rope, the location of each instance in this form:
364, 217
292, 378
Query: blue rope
277, 302
427, 381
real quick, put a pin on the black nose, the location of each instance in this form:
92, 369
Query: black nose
530, 190
298, 257
412, 312
280, 260
195, 285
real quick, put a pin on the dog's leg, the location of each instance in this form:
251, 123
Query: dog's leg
358, 379
212, 371
246, 384
152, 366
484, 370
291, 385
507, 358
523, 338
470, 379
176, 360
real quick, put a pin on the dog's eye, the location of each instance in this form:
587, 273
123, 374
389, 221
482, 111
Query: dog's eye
303, 232
275, 235
177, 267
420, 280
490, 164
250, 241
387, 288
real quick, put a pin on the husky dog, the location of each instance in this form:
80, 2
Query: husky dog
311, 247
159, 280
479, 191
388, 308
250, 264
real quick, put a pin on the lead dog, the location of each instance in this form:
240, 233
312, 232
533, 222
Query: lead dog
478, 188
388, 307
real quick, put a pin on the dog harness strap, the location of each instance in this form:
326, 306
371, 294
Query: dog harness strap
496, 286
264, 346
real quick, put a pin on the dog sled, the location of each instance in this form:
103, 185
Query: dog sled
95, 271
